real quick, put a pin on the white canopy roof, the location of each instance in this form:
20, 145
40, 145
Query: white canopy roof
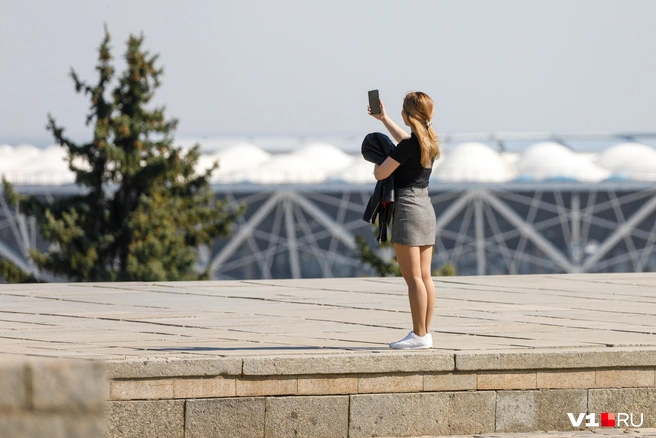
361, 172
26, 164
322, 162
327, 157
634, 160
473, 161
548, 160
234, 162
286, 169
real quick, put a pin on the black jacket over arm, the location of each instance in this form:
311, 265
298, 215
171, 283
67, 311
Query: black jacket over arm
376, 147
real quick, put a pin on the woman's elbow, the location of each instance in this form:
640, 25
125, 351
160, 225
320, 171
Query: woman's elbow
379, 175
382, 171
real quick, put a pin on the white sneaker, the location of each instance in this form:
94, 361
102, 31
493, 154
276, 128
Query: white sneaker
413, 341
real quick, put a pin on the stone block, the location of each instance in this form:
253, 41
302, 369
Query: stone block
68, 386
516, 411
565, 379
506, 380
152, 368
13, 385
327, 385
561, 359
393, 362
553, 406
280, 385
307, 416
627, 400
528, 411
624, 378
152, 389
387, 383
449, 382
228, 417
145, 419
21, 425
436, 413
208, 387
76, 426
51, 425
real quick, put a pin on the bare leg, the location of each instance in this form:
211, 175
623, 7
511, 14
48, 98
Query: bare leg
426, 256
410, 263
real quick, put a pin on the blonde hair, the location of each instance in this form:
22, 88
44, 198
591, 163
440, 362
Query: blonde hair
418, 108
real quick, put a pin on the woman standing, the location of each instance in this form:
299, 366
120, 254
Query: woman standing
413, 223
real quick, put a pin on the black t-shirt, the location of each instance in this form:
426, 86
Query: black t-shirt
410, 173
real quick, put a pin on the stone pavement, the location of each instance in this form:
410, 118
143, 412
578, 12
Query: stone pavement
236, 318
512, 354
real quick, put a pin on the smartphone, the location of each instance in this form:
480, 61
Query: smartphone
374, 102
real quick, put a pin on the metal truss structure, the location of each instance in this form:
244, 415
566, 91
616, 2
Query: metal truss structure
299, 232
18, 235
309, 231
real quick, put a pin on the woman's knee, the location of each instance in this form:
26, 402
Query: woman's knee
426, 275
428, 281
414, 281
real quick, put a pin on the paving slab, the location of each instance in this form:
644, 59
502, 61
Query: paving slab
178, 320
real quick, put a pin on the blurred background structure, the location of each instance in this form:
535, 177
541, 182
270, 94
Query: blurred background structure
555, 169
506, 204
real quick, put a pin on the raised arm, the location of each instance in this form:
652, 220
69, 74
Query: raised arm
395, 130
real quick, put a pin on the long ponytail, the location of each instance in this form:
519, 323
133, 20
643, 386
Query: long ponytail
418, 108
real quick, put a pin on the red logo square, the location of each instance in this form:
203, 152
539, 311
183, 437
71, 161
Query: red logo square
607, 420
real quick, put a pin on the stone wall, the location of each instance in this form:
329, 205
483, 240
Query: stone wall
377, 394
327, 395
51, 398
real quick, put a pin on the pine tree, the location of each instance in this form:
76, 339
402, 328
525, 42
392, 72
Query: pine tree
370, 257
143, 210
13, 274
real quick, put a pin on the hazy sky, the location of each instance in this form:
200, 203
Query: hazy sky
304, 67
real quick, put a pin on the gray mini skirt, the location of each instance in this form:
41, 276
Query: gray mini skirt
413, 222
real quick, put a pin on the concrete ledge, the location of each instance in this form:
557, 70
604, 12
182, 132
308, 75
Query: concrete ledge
150, 368
394, 362
385, 363
559, 359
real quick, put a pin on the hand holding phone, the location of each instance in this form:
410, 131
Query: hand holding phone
374, 102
